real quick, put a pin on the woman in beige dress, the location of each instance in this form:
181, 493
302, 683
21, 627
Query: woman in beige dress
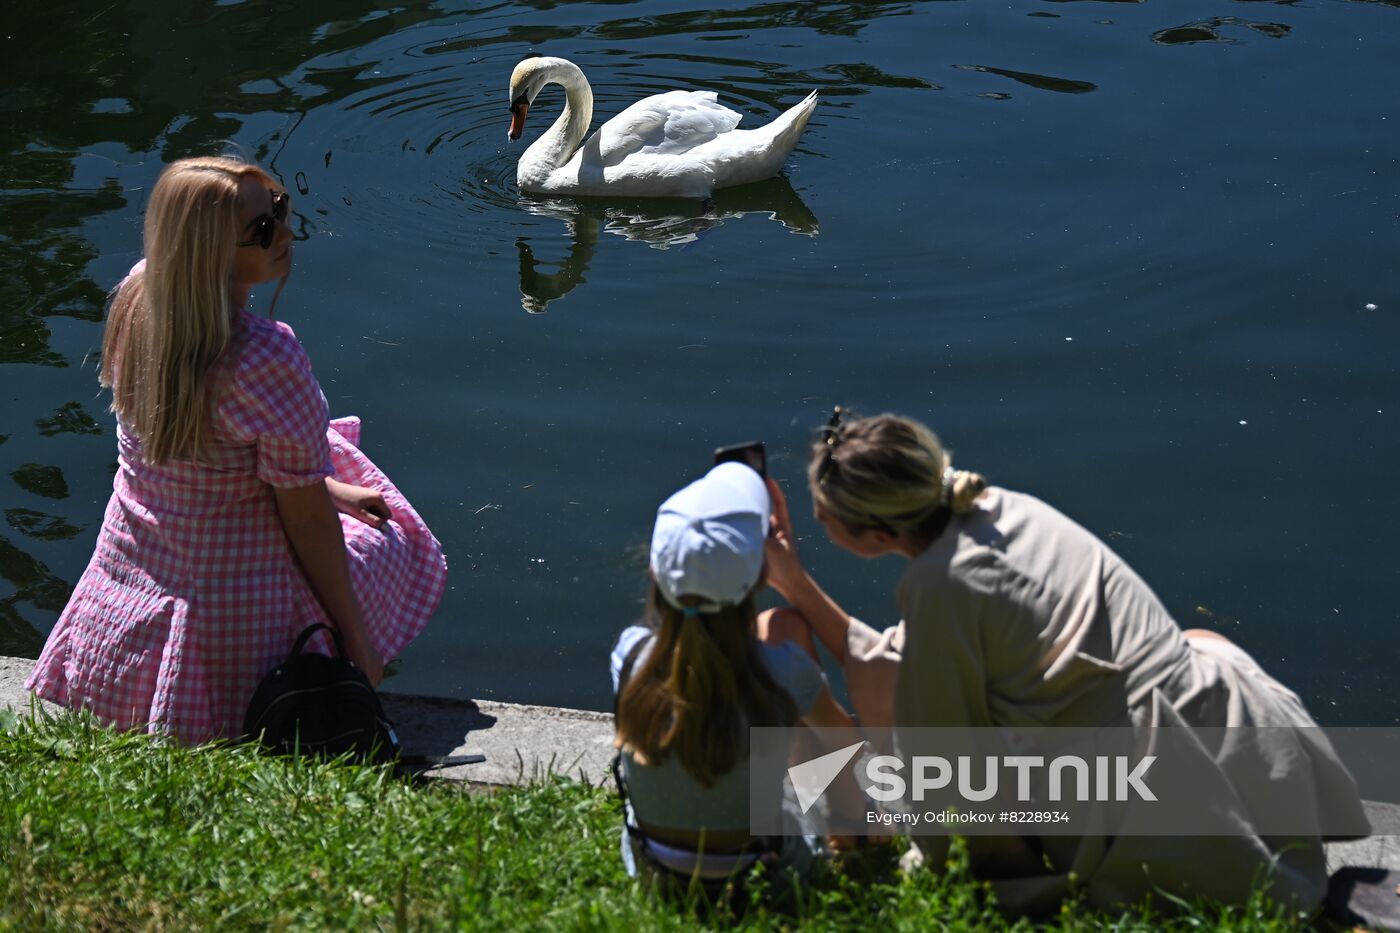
1015, 616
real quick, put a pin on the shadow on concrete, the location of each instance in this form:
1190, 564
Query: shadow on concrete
434, 726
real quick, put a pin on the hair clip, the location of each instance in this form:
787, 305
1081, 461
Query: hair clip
832, 430
832, 435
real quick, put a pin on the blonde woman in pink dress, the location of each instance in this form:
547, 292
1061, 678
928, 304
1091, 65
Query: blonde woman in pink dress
240, 514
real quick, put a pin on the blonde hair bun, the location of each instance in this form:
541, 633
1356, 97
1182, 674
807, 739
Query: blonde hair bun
966, 487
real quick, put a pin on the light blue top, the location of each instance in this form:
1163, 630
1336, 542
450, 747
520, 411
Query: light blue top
666, 795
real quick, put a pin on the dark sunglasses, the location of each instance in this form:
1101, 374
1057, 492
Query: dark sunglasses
265, 227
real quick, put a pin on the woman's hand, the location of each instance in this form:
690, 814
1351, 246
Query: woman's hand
785, 572
840, 844
843, 844
358, 502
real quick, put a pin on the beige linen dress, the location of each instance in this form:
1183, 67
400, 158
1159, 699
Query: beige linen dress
1018, 617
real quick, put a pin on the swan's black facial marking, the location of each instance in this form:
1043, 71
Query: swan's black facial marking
518, 110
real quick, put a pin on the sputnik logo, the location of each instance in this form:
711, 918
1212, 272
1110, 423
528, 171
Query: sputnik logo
811, 778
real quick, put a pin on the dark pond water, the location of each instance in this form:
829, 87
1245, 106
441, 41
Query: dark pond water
1139, 259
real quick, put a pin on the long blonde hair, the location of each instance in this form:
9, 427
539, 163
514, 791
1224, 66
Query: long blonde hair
891, 473
702, 685
169, 324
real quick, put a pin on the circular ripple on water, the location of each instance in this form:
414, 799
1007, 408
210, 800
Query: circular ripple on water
412, 149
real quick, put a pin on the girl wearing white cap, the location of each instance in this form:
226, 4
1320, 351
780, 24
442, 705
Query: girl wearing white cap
691, 683
1015, 616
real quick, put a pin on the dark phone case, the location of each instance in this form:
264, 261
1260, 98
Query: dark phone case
746, 454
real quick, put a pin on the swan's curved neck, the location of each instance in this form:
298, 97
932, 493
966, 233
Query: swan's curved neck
558, 143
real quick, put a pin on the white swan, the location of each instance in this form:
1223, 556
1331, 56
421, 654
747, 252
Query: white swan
677, 144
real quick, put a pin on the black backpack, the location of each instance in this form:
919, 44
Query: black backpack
312, 704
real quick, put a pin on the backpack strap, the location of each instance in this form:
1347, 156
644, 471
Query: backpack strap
312, 629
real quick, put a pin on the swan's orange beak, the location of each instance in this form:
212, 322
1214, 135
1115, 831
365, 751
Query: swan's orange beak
517, 119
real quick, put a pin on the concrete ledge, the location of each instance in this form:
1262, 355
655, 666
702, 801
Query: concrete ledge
520, 742
13, 696
523, 742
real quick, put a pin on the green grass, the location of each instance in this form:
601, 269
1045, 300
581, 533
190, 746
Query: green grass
101, 830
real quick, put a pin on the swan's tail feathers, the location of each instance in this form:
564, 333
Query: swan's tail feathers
793, 121
783, 134
745, 156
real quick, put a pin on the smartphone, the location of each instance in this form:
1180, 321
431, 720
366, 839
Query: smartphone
751, 453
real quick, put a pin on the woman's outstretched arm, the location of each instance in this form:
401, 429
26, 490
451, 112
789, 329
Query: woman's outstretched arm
313, 527
829, 622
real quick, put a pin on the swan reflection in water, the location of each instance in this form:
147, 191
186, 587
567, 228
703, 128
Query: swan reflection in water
660, 224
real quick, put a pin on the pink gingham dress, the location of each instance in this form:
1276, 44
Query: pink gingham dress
193, 594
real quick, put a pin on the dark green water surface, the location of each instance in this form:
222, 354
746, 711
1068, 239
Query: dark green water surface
1138, 259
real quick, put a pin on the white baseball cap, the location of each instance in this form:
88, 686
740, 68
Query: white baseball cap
708, 540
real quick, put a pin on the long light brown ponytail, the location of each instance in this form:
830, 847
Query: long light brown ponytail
701, 685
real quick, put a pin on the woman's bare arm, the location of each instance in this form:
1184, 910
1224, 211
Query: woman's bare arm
828, 621
313, 528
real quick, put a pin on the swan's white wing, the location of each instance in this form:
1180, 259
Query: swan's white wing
680, 144
663, 124
745, 156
